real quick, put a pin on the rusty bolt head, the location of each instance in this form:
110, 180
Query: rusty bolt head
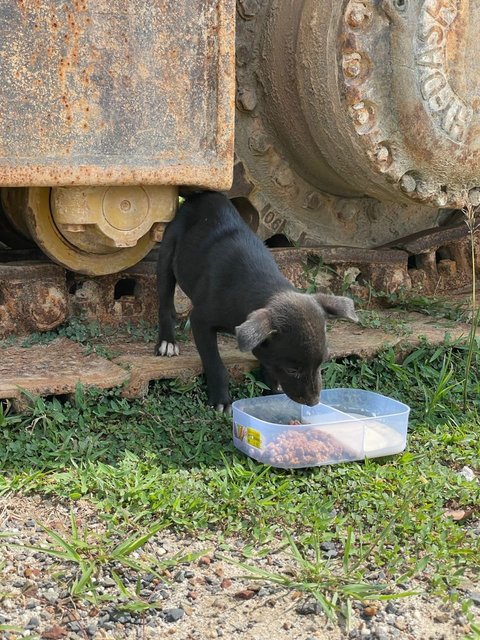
284, 176
247, 8
352, 65
49, 309
247, 99
474, 196
382, 154
360, 113
258, 143
243, 55
382, 157
425, 190
312, 200
441, 198
408, 183
347, 211
359, 15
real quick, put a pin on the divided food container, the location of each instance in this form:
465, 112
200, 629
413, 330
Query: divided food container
347, 425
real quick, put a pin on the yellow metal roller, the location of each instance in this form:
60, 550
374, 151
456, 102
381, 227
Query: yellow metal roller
93, 230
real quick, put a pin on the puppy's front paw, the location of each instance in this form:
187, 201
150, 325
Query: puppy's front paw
167, 349
224, 408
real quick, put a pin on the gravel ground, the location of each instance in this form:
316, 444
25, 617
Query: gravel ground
206, 598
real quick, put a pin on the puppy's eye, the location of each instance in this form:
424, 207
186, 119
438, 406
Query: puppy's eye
291, 371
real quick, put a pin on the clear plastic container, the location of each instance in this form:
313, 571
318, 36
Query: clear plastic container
348, 424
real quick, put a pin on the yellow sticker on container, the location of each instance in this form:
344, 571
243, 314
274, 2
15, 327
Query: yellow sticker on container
254, 438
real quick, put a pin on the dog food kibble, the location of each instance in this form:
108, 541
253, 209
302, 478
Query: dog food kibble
304, 447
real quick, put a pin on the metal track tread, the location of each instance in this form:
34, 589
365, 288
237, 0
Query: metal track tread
57, 367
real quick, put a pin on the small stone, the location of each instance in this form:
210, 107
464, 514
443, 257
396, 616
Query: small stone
204, 561
370, 611
108, 582
74, 626
192, 595
32, 604
287, 625
309, 608
245, 594
54, 633
179, 576
327, 546
226, 583
474, 596
32, 623
365, 632
467, 473
441, 617
31, 572
262, 592
51, 595
108, 626
391, 608
91, 629
400, 623
173, 615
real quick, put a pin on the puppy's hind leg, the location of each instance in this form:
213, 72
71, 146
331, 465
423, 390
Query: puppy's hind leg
166, 345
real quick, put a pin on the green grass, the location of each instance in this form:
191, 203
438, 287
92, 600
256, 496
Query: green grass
167, 460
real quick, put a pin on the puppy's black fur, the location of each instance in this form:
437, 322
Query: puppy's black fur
236, 287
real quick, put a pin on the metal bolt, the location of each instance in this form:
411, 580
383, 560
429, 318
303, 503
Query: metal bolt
347, 211
408, 183
247, 99
352, 65
360, 113
474, 196
425, 189
312, 200
125, 205
247, 8
258, 143
359, 15
243, 55
441, 198
382, 154
284, 176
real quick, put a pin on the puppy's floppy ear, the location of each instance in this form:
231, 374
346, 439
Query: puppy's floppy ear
337, 306
256, 328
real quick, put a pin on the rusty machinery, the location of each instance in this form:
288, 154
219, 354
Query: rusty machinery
357, 122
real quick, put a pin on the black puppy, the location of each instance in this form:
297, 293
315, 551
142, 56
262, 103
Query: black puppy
236, 286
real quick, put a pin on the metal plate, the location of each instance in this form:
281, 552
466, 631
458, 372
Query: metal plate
101, 92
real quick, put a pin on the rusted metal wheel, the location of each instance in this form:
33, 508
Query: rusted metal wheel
92, 230
358, 121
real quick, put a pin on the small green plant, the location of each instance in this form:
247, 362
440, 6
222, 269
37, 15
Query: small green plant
473, 344
333, 587
92, 555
